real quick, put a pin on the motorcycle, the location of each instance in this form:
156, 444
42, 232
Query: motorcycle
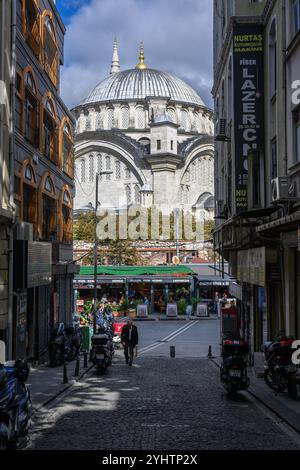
65, 343
102, 349
15, 403
233, 372
279, 367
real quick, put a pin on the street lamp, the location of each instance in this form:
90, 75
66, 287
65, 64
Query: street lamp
105, 172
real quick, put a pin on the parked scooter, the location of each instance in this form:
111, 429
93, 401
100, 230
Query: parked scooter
64, 344
15, 403
234, 366
279, 367
102, 349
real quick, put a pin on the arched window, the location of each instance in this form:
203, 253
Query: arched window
49, 130
91, 168
137, 195
98, 120
31, 25
28, 188
99, 165
88, 123
118, 169
31, 109
48, 209
66, 148
146, 144
110, 118
65, 216
140, 118
127, 173
128, 193
184, 120
50, 50
124, 118
19, 108
82, 170
194, 172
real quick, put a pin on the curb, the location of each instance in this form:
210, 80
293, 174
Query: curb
292, 421
60, 392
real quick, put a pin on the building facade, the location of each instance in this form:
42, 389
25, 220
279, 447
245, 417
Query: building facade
43, 181
256, 163
6, 201
154, 133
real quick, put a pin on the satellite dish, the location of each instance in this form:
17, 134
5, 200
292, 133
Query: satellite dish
175, 260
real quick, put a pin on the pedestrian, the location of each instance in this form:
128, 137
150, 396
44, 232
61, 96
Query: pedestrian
129, 339
189, 310
216, 303
224, 300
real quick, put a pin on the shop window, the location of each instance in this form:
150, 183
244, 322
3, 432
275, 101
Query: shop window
67, 149
49, 209
31, 25
19, 103
66, 232
49, 132
31, 130
50, 52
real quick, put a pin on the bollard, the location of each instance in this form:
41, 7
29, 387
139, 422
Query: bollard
65, 374
172, 351
85, 360
209, 352
76, 373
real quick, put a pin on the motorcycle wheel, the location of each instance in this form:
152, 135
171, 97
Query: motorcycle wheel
277, 386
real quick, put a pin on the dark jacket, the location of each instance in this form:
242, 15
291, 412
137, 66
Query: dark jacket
134, 335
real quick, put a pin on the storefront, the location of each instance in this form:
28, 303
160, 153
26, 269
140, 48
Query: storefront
155, 284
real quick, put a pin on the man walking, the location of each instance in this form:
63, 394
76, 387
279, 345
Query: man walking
129, 339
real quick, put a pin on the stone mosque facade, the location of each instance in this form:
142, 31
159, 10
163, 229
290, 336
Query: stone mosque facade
153, 132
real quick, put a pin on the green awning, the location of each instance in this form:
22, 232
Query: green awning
137, 270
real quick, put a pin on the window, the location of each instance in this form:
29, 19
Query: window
128, 193
272, 60
91, 168
31, 111
110, 118
19, 103
171, 114
297, 15
146, 144
98, 121
158, 144
28, 195
140, 118
274, 171
171, 144
136, 193
107, 166
118, 170
124, 118
82, 170
48, 229
99, 165
67, 149
184, 120
66, 233
50, 52
88, 123
31, 25
49, 131
127, 173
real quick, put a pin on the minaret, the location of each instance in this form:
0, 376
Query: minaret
141, 65
115, 64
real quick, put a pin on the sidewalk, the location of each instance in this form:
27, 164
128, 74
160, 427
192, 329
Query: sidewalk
163, 317
46, 383
281, 404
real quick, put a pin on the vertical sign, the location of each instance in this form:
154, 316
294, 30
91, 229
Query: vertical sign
248, 66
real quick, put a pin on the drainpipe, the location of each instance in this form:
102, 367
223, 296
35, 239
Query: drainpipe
11, 173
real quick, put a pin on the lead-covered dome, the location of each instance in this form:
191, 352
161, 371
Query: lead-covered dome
136, 84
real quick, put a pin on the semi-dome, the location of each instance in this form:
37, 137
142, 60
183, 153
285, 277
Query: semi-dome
137, 84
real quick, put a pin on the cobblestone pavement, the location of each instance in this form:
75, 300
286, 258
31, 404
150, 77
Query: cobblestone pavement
159, 403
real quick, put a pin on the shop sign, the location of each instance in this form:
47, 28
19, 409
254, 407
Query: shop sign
236, 290
251, 266
248, 68
39, 264
79, 302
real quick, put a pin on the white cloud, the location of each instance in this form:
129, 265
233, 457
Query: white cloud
177, 36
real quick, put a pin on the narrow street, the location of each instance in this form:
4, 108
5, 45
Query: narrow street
160, 402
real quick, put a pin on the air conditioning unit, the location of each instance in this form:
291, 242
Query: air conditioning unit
282, 189
222, 130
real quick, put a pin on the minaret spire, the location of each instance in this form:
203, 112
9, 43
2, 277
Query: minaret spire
141, 65
115, 63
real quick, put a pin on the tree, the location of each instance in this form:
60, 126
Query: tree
122, 252
84, 227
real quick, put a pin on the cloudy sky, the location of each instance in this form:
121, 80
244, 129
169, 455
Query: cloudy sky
177, 37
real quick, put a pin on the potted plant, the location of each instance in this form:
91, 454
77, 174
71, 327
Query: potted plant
182, 305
